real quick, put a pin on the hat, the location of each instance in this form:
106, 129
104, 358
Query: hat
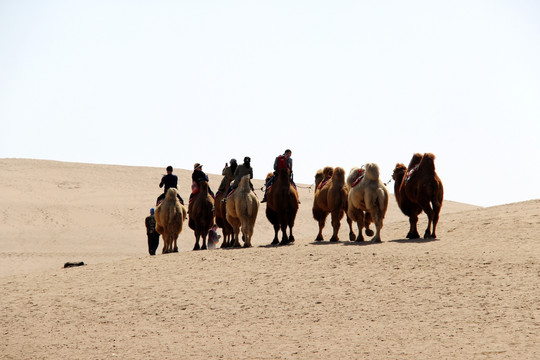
197, 165
152, 211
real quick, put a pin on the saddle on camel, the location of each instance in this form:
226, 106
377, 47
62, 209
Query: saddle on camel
282, 205
418, 188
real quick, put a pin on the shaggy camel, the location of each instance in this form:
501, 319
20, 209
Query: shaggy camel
201, 215
282, 206
418, 188
170, 215
242, 208
331, 198
367, 193
221, 219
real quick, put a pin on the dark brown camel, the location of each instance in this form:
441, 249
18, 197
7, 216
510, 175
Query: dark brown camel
331, 198
418, 188
221, 219
201, 214
282, 206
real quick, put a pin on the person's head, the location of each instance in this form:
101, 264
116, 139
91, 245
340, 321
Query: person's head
247, 160
197, 166
233, 162
152, 211
169, 169
287, 152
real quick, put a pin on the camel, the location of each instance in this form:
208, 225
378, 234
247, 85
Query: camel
330, 198
242, 208
201, 215
170, 215
221, 219
418, 188
282, 206
368, 194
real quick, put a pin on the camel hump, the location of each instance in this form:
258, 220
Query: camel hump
353, 175
428, 163
415, 160
372, 171
171, 194
244, 183
339, 174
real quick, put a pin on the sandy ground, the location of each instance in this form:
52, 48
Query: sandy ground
473, 293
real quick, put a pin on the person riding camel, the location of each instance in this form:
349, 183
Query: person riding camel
199, 176
281, 162
228, 175
239, 173
169, 181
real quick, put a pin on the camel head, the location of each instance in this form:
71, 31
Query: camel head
327, 172
268, 177
399, 172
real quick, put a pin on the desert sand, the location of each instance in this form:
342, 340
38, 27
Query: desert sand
473, 293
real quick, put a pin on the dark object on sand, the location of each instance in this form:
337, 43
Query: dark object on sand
72, 264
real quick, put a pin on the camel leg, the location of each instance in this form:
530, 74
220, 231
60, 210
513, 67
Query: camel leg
436, 211
367, 221
236, 243
351, 232
291, 237
175, 248
429, 212
336, 223
284, 237
203, 247
276, 230
378, 226
413, 233
322, 221
197, 246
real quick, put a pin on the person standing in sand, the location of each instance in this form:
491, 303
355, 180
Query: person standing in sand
153, 235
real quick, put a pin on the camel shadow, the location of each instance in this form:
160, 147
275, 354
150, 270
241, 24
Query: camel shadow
413, 241
269, 246
360, 243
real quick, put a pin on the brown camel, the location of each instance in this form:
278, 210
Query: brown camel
418, 188
330, 198
282, 206
221, 219
242, 208
368, 194
170, 215
201, 214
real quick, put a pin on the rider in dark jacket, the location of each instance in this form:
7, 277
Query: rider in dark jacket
169, 181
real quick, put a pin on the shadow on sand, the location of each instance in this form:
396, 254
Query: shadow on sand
414, 241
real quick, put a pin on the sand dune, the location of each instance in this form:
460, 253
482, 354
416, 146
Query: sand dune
472, 293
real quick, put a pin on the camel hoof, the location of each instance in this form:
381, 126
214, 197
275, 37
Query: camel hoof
275, 242
175, 249
334, 239
291, 239
196, 247
369, 232
376, 241
352, 237
360, 239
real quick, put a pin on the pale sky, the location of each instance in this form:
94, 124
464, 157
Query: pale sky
340, 83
